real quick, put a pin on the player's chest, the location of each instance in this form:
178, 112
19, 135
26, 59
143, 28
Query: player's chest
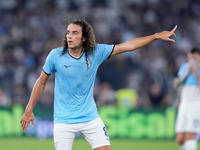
71, 67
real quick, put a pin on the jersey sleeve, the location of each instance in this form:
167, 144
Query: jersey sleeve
103, 51
183, 69
49, 66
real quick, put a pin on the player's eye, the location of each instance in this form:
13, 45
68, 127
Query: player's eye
75, 33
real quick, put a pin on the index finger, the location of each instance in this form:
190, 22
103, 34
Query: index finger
174, 29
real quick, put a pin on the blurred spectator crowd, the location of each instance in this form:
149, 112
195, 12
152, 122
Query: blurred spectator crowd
30, 29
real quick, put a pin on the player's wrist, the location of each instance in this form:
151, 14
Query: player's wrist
156, 36
29, 110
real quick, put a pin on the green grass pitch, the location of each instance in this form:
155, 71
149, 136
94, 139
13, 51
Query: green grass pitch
29, 143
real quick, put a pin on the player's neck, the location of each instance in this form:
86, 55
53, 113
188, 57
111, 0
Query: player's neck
76, 53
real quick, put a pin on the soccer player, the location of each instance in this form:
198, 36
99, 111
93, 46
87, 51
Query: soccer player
75, 66
188, 118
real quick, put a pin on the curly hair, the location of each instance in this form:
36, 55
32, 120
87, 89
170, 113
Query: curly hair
87, 33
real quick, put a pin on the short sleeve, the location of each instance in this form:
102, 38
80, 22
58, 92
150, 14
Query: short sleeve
183, 69
49, 66
103, 51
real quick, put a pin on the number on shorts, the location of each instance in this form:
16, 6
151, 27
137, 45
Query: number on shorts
106, 133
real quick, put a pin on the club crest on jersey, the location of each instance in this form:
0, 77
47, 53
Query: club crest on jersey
88, 62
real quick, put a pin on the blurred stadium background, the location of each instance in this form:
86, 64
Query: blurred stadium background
133, 91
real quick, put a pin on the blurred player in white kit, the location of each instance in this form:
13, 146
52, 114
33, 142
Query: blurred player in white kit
188, 118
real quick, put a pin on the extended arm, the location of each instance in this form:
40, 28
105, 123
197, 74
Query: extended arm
35, 94
136, 43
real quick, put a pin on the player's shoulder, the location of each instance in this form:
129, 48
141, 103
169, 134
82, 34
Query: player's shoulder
57, 51
103, 46
98, 46
185, 64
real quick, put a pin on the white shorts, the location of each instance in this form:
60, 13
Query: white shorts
190, 93
93, 131
188, 118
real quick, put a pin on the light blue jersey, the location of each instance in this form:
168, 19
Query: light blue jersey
74, 82
190, 80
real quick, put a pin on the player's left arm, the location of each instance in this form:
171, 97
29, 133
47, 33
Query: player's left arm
136, 43
194, 70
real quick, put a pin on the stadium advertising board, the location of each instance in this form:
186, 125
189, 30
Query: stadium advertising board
138, 124
120, 123
10, 121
